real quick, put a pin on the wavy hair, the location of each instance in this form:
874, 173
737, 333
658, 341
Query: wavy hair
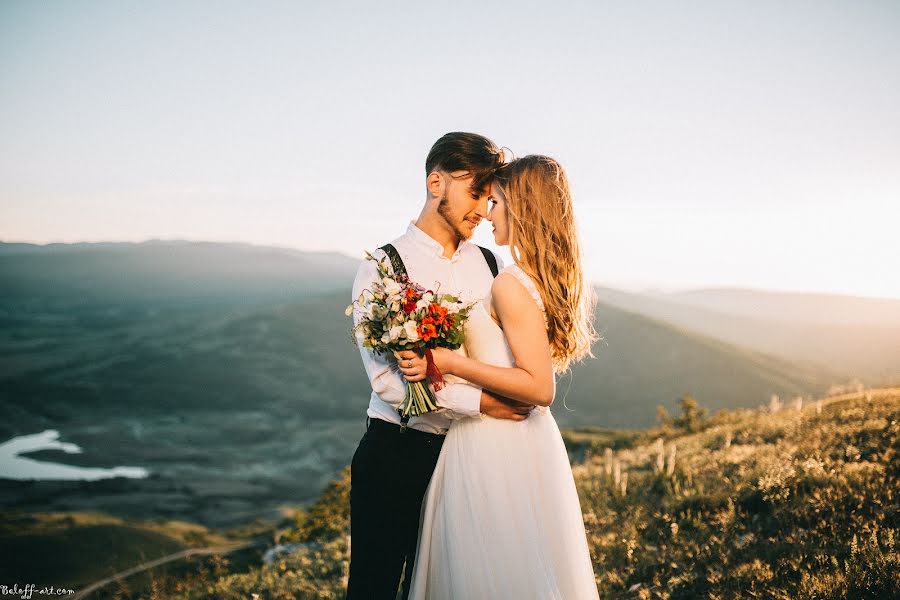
543, 240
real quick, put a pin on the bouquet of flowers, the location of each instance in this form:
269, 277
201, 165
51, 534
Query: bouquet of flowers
399, 314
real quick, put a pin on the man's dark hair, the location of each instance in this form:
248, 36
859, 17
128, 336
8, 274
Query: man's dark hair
460, 151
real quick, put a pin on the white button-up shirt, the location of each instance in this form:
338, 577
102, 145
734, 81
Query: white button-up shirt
465, 273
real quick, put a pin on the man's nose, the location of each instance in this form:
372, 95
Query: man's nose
482, 208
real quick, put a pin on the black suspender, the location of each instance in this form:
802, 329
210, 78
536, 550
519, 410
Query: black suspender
490, 258
400, 269
396, 261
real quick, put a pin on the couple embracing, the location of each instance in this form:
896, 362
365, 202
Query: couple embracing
476, 500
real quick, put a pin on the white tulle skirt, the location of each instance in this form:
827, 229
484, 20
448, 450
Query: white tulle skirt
501, 517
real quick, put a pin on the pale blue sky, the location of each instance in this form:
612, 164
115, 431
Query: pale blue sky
752, 144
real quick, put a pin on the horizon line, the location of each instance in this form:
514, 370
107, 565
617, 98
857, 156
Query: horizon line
621, 286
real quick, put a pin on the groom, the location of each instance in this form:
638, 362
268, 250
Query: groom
393, 464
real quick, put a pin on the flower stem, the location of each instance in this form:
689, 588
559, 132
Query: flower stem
418, 399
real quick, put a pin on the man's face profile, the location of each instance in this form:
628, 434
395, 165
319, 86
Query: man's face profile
461, 207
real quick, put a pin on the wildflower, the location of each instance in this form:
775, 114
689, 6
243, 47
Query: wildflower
670, 459
774, 485
813, 466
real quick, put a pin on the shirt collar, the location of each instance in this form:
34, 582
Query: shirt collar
429, 242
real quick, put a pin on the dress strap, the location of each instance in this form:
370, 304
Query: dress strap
528, 283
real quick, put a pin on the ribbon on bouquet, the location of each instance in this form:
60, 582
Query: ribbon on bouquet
432, 371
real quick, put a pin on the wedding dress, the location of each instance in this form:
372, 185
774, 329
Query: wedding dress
501, 517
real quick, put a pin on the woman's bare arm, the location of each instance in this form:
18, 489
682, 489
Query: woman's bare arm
531, 380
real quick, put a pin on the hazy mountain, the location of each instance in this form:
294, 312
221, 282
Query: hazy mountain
234, 411
187, 359
228, 372
643, 362
795, 307
851, 337
28, 248
164, 273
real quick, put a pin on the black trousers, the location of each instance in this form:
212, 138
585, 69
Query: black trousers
388, 478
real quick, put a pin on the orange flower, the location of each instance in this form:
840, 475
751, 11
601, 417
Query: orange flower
427, 330
439, 313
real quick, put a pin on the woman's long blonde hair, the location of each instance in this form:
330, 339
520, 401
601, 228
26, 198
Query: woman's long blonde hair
543, 240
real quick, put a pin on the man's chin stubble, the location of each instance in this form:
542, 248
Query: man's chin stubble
461, 236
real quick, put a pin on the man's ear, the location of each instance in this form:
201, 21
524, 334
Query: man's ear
435, 183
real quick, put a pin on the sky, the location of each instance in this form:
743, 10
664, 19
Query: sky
708, 143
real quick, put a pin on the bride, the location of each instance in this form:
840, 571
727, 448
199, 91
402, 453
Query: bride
501, 517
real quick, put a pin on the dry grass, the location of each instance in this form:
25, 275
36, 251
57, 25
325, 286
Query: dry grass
793, 503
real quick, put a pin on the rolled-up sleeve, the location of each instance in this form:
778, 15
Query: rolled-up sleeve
460, 400
385, 377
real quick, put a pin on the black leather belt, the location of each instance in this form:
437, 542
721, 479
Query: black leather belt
375, 423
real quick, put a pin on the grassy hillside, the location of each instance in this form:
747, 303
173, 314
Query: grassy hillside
794, 504
72, 550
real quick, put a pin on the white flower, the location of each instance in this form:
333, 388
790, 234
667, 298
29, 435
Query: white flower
423, 303
453, 307
411, 333
349, 310
391, 287
395, 332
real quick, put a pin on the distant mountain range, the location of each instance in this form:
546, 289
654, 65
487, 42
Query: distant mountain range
848, 336
166, 273
727, 347
643, 362
228, 370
